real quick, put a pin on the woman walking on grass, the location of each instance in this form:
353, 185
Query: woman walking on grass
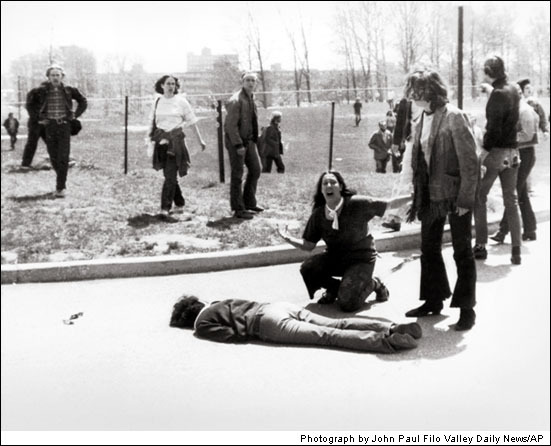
169, 115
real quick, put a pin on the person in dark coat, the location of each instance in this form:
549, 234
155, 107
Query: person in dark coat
12, 126
51, 106
272, 145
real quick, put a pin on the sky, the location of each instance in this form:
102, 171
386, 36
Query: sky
160, 34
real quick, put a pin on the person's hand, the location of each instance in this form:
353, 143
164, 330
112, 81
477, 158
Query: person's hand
461, 211
283, 232
241, 151
44, 122
163, 141
395, 149
486, 87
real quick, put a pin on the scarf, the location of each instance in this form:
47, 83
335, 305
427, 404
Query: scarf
334, 214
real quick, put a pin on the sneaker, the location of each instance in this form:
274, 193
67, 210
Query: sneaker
381, 292
60, 193
245, 215
255, 209
402, 341
165, 213
25, 168
498, 237
178, 209
529, 236
480, 252
413, 329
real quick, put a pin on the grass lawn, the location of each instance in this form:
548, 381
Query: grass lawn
109, 214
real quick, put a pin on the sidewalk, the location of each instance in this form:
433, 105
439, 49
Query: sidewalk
121, 367
408, 238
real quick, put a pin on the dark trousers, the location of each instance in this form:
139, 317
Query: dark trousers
58, 143
171, 189
278, 162
434, 280
243, 198
381, 165
527, 161
35, 131
358, 119
396, 163
357, 279
13, 139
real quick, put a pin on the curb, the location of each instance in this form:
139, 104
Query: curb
199, 263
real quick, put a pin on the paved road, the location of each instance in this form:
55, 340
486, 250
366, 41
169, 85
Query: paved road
121, 367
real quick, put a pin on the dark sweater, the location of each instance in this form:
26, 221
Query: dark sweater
230, 320
502, 112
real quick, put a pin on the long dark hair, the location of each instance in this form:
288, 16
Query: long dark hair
162, 80
185, 311
319, 200
427, 85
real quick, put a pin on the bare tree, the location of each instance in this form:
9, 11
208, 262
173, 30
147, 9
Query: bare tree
411, 34
297, 72
253, 33
343, 28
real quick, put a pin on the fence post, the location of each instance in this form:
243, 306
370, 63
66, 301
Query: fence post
125, 135
19, 97
220, 140
331, 135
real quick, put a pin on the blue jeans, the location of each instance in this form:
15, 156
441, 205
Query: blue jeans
286, 323
241, 199
527, 161
499, 162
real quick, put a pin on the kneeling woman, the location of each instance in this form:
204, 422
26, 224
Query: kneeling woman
236, 320
339, 218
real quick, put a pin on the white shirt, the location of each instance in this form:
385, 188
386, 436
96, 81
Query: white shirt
173, 112
425, 135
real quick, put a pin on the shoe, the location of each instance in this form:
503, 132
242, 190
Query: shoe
402, 341
25, 168
529, 236
165, 213
327, 298
515, 255
434, 307
498, 237
394, 225
466, 320
480, 252
178, 209
255, 209
60, 193
413, 329
381, 292
245, 215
